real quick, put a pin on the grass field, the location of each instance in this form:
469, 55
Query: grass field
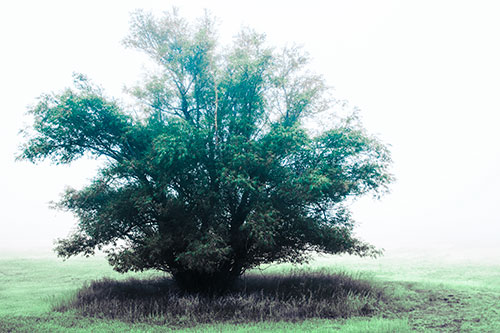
428, 291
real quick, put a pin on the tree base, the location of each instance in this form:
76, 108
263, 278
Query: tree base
203, 282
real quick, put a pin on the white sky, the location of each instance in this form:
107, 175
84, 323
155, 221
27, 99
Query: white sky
426, 75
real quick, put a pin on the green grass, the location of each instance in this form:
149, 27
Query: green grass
423, 292
64, 323
29, 285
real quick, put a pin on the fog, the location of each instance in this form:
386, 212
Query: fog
425, 75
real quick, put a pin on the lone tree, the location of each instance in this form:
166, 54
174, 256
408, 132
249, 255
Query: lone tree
217, 174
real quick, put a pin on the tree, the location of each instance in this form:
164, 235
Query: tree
218, 174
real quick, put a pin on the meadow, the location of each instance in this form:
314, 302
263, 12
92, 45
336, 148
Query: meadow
446, 290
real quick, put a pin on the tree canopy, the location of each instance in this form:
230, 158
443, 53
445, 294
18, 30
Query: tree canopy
217, 174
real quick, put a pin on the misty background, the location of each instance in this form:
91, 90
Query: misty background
425, 75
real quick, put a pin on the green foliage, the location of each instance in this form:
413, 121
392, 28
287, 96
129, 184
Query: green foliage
218, 174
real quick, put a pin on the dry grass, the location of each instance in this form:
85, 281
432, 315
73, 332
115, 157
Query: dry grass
293, 296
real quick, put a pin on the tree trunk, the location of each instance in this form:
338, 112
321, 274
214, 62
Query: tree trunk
204, 282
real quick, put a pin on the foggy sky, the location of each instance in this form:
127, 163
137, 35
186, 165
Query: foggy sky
425, 74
